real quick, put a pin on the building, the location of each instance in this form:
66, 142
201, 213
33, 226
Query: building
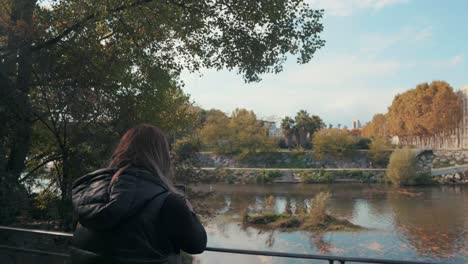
456, 138
357, 124
273, 130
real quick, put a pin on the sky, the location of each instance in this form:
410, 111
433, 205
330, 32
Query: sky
374, 50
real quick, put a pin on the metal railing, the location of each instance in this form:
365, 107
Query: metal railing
330, 259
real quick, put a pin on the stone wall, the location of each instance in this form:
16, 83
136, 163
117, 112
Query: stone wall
452, 178
447, 158
251, 176
283, 160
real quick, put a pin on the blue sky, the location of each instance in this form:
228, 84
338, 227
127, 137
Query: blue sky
375, 49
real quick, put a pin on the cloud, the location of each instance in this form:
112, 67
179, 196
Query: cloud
375, 43
348, 7
446, 63
456, 60
336, 86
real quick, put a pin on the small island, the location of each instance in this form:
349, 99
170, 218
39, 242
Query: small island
316, 219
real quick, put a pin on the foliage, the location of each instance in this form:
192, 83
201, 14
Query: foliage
362, 143
378, 127
316, 220
268, 176
425, 111
301, 127
241, 132
263, 218
185, 148
333, 142
402, 169
45, 205
379, 151
249, 133
320, 176
318, 208
81, 68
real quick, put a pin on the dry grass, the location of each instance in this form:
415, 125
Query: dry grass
318, 209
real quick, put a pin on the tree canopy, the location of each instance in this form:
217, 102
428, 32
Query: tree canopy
83, 70
333, 142
425, 111
303, 127
242, 131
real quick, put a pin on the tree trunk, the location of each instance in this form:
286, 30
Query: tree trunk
16, 131
22, 10
289, 140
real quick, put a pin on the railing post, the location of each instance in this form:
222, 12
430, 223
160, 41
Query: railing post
330, 261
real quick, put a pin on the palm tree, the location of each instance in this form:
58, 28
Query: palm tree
287, 125
303, 121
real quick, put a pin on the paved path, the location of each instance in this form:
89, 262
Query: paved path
449, 170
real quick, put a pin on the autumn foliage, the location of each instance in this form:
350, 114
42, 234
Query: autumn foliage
424, 111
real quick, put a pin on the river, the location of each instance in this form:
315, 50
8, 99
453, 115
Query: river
430, 225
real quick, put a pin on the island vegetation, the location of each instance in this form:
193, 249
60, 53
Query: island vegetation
316, 219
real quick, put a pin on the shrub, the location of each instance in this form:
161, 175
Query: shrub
282, 143
268, 176
402, 169
334, 142
274, 174
379, 151
320, 176
362, 143
185, 148
263, 218
318, 208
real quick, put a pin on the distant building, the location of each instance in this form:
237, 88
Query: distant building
273, 130
357, 124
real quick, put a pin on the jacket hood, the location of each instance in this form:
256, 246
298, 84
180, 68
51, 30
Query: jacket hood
100, 206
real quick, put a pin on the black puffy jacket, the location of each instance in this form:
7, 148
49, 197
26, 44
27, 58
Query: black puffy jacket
136, 220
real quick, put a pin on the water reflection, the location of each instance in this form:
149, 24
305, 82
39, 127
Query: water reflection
429, 226
439, 232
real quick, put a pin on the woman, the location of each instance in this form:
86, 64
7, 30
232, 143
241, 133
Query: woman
131, 212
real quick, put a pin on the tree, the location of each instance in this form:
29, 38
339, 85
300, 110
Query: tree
287, 125
378, 127
242, 131
250, 134
216, 131
425, 111
302, 127
402, 168
107, 48
333, 142
379, 151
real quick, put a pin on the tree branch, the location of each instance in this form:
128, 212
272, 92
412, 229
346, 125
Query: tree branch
30, 173
80, 24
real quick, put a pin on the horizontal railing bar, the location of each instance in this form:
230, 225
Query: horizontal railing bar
35, 251
37, 231
310, 256
225, 250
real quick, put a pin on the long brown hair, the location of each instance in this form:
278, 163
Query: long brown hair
144, 146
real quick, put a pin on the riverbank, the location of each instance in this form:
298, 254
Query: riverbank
310, 175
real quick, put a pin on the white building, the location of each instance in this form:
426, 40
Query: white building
273, 130
357, 124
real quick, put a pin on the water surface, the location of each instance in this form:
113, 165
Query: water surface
431, 225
